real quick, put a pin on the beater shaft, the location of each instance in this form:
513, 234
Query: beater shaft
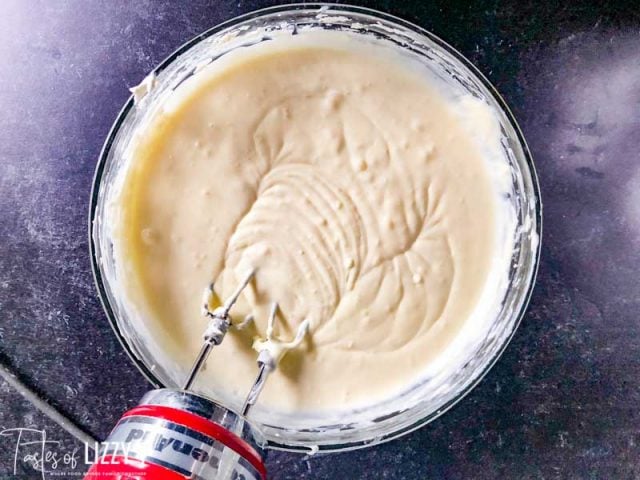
270, 352
217, 329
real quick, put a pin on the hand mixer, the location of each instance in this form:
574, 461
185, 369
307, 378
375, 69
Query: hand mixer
176, 434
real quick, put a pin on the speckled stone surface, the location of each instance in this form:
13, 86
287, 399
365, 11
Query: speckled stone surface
563, 400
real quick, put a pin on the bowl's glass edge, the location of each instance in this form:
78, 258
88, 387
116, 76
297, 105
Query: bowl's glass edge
337, 8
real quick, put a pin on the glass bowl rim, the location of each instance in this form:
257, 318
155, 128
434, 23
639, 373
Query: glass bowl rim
322, 7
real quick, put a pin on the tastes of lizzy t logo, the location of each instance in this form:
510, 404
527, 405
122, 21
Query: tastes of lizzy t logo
32, 448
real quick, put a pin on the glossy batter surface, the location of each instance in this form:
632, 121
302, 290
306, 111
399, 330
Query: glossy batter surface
352, 186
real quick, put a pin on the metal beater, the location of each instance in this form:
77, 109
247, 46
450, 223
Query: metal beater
270, 351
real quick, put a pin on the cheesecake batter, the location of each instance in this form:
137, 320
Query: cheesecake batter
354, 186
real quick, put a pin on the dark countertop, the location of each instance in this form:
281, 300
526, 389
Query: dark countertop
563, 400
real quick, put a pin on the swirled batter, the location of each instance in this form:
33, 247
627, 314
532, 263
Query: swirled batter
352, 185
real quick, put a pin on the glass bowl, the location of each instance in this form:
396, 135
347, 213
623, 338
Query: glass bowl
437, 393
